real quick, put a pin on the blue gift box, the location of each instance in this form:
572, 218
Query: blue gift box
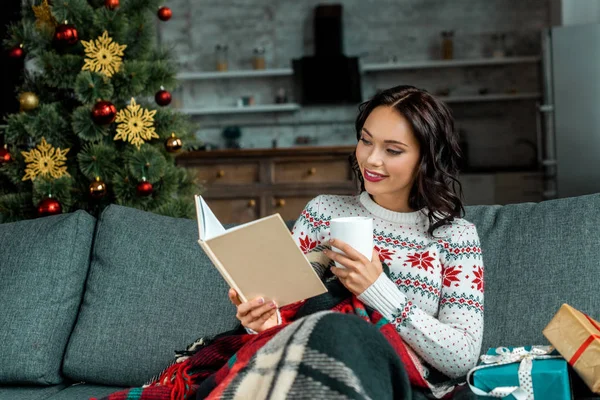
550, 377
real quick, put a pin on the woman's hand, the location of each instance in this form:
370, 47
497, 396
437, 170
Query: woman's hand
256, 314
360, 273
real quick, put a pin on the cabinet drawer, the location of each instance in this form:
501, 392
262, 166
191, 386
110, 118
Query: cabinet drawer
230, 174
289, 207
234, 211
312, 171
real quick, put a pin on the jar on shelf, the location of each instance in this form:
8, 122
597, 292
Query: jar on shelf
258, 59
221, 57
498, 50
447, 45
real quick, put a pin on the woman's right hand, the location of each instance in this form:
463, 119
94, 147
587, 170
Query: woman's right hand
256, 314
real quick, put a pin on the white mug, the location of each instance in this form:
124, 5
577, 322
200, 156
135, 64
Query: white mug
355, 231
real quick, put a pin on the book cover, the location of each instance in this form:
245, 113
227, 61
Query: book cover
259, 258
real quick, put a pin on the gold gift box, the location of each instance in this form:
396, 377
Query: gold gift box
577, 338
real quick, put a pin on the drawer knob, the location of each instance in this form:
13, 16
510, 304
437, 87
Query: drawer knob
251, 203
280, 202
220, 173
312, 171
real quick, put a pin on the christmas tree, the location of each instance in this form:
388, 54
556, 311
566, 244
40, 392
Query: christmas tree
94, 126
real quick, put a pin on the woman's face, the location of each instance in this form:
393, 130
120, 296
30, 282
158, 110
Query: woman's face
388, 155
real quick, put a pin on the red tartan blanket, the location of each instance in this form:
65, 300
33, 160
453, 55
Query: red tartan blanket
216, 363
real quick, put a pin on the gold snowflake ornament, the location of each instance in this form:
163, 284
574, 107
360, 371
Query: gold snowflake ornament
135, 124
103, 55
43, 15
46, 161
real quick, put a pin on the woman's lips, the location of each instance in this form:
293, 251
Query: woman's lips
373, 176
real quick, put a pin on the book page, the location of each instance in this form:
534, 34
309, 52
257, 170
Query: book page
208, 224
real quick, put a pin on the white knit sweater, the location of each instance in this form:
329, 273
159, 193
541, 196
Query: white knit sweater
434, 292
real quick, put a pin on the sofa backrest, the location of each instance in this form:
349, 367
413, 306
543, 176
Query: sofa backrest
150, 291
43, 267
537, 256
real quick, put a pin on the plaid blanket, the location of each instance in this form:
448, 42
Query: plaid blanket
330, 353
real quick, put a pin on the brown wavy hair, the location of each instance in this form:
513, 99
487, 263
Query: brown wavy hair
436, 186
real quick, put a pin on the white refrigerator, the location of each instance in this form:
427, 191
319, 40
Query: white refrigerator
569, 115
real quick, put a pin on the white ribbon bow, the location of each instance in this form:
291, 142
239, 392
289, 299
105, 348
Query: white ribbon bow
505, 356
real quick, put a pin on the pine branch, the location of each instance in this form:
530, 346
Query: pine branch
147, 162
90, 87
115, 22
84, 126
177, 208
98, 160
76, 12
60, 189
15, 207
17, 132
48, 122
140, 6
131, 80
168, 120
60, 70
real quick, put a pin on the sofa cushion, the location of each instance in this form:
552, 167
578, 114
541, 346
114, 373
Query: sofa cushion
151, 291
81, 391
537, 256
44, 263
29, 392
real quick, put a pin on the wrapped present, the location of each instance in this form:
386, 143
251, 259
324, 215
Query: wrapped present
577, 337
521, 373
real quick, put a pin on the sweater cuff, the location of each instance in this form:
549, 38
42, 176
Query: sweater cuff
384, 296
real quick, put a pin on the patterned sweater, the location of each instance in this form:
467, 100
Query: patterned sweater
434, 291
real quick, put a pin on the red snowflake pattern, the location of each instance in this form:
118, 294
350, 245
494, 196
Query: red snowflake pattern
479, 279
420, 260
451, 275
307, 245
384, 254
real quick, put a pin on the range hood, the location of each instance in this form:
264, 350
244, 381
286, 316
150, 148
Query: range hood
329, 76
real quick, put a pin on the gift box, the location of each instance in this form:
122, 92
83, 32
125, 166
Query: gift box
522, 373
577, 338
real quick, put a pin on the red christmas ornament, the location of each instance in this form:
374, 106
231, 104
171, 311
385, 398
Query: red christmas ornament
144, 188
111, 4
49, 206
16, 52
165, 13
66, 35
104, 112
162, 97
5, 156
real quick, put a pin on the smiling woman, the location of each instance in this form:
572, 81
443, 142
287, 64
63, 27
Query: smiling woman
424, 278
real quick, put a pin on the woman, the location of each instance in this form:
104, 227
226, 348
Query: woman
425, 276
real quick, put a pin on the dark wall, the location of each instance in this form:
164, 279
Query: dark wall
11, 69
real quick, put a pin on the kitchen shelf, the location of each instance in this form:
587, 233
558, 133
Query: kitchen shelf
475, 62
261, 108
235, 74
490, 97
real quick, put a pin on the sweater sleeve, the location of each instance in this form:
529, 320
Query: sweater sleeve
308, 234
450, 342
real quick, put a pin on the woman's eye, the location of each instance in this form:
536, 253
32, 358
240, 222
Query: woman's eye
365, 141
394, 152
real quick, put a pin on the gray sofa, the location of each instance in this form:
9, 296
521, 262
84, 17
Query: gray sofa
89, 307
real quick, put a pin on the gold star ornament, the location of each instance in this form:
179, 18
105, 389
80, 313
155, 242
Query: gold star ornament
135, 124
103, 55
43, 15
46, 161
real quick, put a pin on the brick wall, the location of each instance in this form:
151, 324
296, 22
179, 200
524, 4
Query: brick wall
499, 133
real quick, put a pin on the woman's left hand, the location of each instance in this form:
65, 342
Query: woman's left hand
360, 272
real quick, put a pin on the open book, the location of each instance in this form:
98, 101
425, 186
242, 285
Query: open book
259, 258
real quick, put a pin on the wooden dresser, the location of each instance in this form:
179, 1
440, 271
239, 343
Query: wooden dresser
242, 185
